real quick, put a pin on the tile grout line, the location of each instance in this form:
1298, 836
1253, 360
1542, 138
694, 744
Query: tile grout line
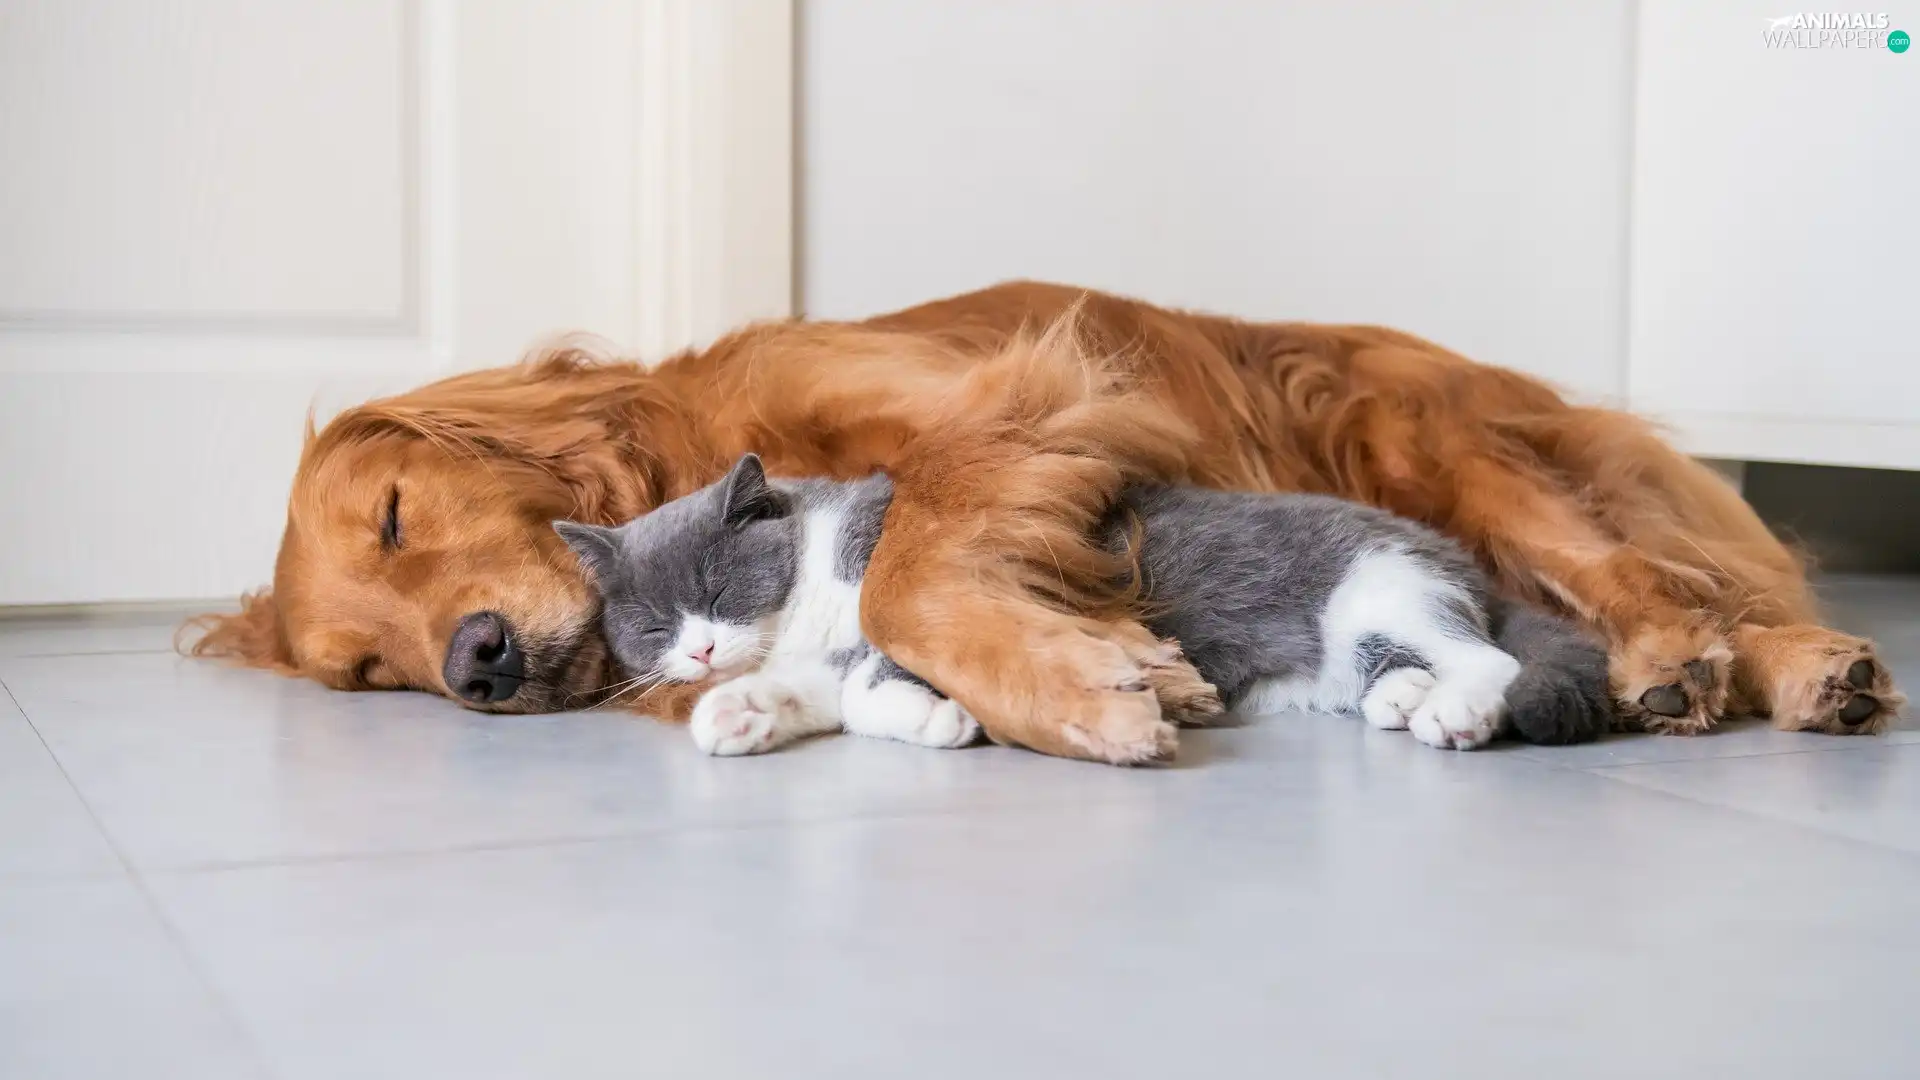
1860, 745
639, 835
1750, 815
222, 1007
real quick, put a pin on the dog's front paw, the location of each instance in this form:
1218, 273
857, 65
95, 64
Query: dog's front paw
1672, 679
1810, 678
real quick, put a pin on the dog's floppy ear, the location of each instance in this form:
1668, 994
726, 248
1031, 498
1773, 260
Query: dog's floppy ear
254, 636
748, 497
597, 546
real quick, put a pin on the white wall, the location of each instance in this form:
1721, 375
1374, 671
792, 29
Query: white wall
1457, 170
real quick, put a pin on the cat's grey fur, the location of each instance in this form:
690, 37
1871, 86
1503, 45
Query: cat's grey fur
1252, 586
1236, 577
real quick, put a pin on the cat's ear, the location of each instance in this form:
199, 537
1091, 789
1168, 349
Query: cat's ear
747, 495
597, 546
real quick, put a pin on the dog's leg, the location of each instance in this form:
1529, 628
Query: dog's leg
994, 552
1672, 673
1031, 676
1810, 678
1670, 661
1688, 645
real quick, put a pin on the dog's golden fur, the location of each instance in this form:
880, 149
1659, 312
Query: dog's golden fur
1009, 418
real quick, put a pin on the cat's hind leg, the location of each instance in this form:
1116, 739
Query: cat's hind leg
1467, 704
1404, 599
1389, 704
882, 699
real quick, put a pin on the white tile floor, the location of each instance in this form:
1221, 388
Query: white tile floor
206, 873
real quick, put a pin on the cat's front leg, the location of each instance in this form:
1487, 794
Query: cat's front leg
761, 711
884, 700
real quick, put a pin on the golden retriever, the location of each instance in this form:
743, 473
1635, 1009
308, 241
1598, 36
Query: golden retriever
418, 551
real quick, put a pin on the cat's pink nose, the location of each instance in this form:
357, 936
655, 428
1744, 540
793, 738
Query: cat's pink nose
703, 655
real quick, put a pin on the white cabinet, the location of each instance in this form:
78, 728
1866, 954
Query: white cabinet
1775, 266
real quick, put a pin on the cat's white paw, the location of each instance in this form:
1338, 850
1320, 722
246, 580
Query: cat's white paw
949, 725
909, 712
1460, 714
1393, 698
743, 716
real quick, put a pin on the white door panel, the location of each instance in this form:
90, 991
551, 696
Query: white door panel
166, 159
217, 214
150, 485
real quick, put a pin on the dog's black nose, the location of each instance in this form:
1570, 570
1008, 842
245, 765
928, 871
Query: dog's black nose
484, 665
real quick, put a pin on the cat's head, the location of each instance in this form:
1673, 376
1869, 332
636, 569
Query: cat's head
694, 589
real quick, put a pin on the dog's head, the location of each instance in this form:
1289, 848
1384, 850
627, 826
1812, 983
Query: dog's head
418, 552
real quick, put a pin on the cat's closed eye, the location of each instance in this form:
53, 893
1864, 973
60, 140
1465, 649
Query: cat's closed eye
713, 606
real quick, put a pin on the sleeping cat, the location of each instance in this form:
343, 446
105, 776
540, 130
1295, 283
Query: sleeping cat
1278, 600
759, 584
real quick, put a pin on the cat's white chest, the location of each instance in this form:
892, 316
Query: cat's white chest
823, 614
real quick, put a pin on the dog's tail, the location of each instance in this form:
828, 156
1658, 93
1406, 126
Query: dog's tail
1560, 695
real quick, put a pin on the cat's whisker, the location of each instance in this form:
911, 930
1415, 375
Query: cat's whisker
603, 695
646, 680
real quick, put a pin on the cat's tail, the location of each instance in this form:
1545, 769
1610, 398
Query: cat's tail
1560, 695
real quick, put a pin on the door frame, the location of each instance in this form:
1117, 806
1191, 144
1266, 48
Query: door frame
716, 152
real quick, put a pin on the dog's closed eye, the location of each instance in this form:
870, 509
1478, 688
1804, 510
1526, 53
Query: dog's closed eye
390, 524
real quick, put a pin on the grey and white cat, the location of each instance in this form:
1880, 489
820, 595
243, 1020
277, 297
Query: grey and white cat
758, 583
1279, 601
